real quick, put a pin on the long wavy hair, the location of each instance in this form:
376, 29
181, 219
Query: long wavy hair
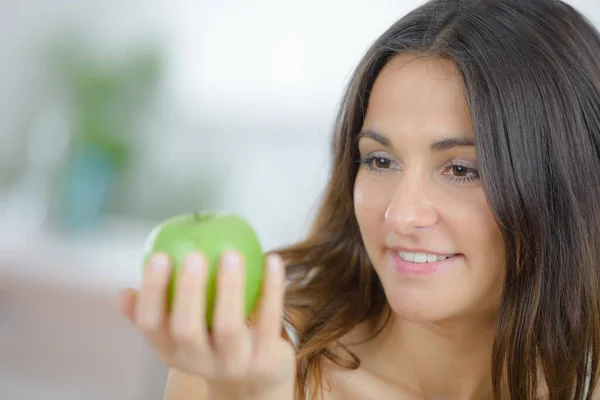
531, 73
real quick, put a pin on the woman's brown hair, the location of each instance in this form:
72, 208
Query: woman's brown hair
531, 73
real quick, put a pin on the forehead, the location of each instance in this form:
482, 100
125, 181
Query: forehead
418, 94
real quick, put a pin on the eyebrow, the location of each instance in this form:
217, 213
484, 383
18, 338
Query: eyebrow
437, 146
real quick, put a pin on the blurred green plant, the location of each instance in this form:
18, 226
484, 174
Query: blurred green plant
105, 100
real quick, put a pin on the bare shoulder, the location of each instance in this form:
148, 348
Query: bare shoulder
340, 383
596, 393
363, 382
596, 390
183, 386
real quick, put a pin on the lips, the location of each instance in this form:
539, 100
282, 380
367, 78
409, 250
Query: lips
420, 258
422, 263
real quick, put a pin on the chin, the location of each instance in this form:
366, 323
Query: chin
421, 314
422, 306
431, 297
430, 306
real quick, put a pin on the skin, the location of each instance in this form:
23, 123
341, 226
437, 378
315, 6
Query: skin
438, 343
238, 358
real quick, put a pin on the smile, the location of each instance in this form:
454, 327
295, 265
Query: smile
421, 264
421, 258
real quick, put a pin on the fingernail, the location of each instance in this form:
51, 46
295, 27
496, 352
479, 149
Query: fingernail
160, 261
231, 260
274, 263
194, 263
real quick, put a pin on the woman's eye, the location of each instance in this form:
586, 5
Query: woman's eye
381, 162
377, 163
461, 173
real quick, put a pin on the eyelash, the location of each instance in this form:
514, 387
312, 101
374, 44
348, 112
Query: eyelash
367, 161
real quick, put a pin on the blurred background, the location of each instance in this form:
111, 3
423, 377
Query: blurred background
116, 115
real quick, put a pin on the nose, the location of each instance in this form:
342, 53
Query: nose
411, 208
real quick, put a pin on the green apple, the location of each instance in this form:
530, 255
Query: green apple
209, 233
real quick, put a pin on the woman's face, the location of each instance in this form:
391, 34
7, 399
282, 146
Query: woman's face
419, 202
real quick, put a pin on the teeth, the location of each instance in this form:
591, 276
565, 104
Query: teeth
420, 258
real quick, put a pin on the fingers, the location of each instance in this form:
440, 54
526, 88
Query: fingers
229, 330
187, 321
180, 334
127, 300
150, 310
270, 308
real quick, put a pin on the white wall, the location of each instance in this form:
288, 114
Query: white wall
249, 95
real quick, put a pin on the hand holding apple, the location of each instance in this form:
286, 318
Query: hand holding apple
192, 273
210, 234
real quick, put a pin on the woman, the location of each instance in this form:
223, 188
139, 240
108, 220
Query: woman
455, 254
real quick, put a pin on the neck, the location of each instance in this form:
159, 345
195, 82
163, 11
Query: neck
441, 360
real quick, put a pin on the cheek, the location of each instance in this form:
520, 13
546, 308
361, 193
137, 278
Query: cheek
488, 260
372, 198
481, 238
371, 201
495, 255
469, 218
488, 236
